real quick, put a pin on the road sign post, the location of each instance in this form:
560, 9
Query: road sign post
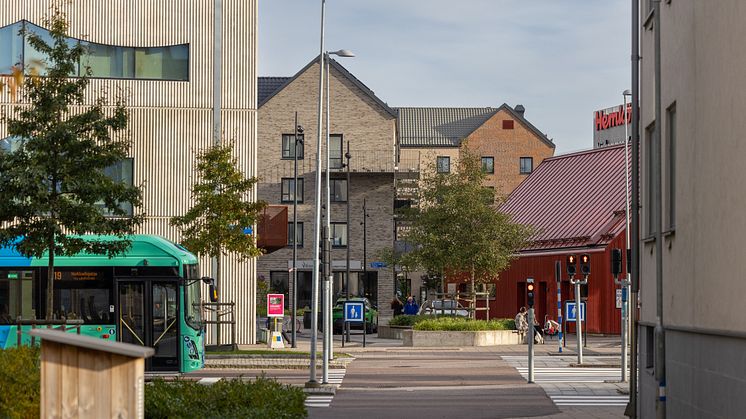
355, 312
585, 270
616, 270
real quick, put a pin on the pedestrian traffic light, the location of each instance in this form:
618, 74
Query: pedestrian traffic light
585, 264
572, 262
616, 262
530, 293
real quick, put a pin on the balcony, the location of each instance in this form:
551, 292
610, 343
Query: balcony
272, 228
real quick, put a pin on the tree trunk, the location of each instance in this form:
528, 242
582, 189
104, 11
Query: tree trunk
473, 296
50, 281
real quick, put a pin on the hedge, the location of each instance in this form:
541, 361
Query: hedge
463, 324
260, 398
19, 382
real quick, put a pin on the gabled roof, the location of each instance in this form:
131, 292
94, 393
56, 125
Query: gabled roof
439, 127
447, 127
573, 200
269, 85
273, 84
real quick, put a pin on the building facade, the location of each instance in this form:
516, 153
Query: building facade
160, 56
700, 128
363, 122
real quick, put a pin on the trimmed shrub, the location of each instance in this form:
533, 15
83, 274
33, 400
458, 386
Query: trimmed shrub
407, 320
20, 382
461, 324
259, 398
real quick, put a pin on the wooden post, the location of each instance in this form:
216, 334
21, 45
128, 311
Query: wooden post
86, 377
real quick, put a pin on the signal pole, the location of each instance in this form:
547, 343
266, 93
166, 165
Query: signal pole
530, 294
616, 270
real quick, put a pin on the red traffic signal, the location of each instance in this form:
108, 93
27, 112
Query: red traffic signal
585, 264
530, 294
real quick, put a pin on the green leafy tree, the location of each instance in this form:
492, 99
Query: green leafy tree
53, 187
215, 225
458, 228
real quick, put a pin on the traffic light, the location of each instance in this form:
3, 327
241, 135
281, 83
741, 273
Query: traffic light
616, 262
530, 293
585, 264
572, 262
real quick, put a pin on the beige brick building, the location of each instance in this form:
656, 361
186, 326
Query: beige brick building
368, 125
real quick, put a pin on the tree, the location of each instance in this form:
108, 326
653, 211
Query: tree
53, 186
216, 223
458, 229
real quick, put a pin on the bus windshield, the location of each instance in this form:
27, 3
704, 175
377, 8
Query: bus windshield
192, 311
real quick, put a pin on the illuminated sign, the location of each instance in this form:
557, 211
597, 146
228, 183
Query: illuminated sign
78, 275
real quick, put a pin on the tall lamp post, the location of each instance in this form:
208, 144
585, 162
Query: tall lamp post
626, 283
348, 156
297, 140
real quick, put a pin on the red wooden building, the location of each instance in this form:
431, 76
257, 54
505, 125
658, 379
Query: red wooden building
577, 204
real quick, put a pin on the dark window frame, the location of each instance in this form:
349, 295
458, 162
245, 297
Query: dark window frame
670, 179
650, 147
491, 160
447, 159
287, 148
300, 236
333, 189
336, 161
343, 240
521, 168
285, 196
508, 124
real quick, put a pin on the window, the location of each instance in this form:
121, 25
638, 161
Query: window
335, 151
10, 144
17, 296
106, 61
507, 124
339, 234
338, 190
121, 172
488, 164
671, 168
527, 165
650, 147
287, 190
298, 236
279, 283
443, 164
287, 146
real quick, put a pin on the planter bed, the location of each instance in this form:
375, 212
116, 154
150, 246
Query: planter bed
420, 338
392, 332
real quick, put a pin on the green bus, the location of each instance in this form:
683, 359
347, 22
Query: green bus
149, 296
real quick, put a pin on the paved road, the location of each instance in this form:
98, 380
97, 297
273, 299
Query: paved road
434, 384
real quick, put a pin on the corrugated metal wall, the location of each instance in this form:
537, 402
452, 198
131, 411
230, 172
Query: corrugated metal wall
171, 120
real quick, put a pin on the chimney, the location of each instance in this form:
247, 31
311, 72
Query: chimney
520, 110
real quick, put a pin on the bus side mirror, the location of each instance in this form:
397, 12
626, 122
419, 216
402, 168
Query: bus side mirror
213, 293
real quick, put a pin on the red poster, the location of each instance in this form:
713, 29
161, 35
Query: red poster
275, 305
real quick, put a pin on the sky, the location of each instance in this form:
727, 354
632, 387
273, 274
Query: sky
561, 59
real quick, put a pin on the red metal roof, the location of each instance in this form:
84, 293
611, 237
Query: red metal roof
573, 200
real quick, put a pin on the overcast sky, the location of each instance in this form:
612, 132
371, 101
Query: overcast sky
561, 59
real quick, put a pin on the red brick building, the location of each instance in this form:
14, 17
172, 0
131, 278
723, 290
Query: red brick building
577, 204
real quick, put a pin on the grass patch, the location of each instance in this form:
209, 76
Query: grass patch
460, 324
260, 398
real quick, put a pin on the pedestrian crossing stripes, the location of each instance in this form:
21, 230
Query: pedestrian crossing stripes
589, 400
335, 377
572, 374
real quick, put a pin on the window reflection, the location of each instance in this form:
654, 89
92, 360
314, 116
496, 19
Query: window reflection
11, 46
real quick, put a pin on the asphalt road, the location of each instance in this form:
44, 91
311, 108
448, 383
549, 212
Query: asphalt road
434, 384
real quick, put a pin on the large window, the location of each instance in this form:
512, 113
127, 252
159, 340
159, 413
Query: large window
279, 283
105, 61
192, 297
650, 147
121, 172
298, 237
488, 164
443, 164
335, 151
527, 165
338, 190
287, 190
671, 168
17, 296
83, 294
339, 234
287, 146
10, 144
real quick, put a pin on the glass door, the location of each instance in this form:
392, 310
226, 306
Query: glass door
131, 322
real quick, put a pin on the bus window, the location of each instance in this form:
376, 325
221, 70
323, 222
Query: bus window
88, 304
16, 296
192, 313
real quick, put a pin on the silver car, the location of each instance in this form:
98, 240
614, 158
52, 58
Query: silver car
444, 308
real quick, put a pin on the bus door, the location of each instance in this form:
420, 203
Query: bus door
148, 316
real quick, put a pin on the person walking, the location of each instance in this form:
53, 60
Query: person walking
397, 306
411, 308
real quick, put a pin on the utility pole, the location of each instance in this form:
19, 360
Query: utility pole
298, 131
347, 273
365, 244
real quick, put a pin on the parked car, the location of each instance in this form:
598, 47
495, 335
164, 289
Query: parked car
371, 316
443, 308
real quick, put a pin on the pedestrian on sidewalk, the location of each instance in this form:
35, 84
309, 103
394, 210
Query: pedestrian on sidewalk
411, 308
397, 306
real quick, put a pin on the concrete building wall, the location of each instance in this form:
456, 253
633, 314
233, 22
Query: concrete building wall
171, 120
702, 68
371, 132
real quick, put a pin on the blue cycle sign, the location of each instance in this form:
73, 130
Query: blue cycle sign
571, 314
354, 311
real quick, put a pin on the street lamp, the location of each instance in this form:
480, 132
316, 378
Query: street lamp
626, 283
348, 156
297, 140
328, 274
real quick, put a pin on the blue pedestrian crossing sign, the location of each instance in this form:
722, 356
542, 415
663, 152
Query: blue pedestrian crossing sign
354, 311
571, 312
